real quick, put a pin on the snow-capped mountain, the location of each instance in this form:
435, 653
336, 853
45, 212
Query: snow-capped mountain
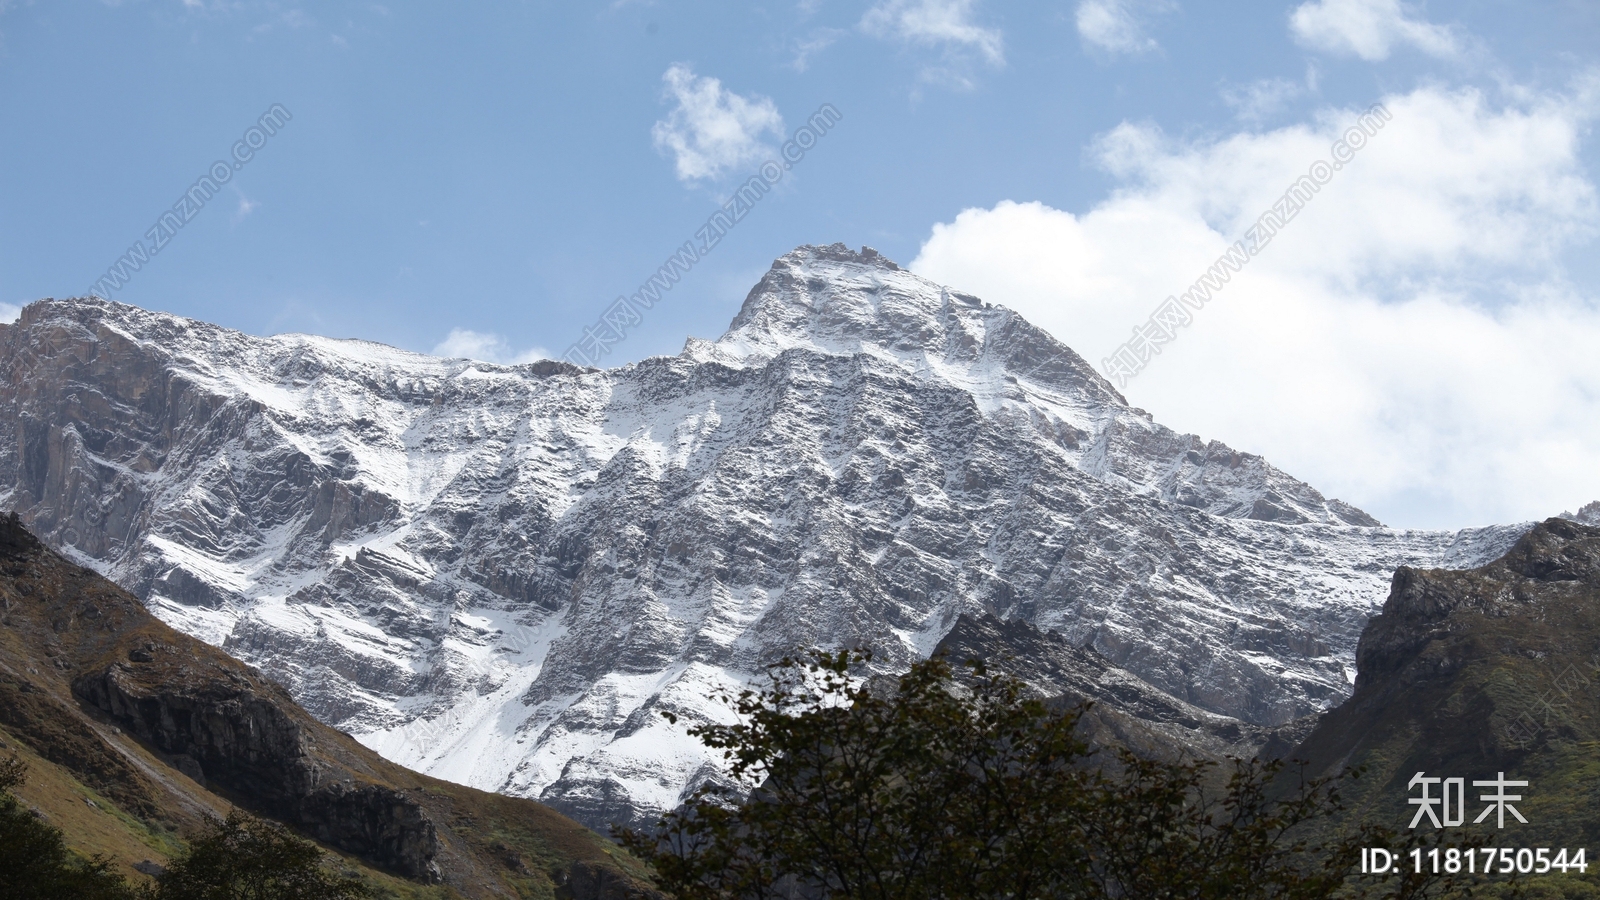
501, 575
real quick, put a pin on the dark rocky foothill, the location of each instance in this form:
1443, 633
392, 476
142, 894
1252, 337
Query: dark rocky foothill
168, 729
1467, 674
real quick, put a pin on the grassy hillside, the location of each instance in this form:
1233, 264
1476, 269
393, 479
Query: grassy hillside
134, 733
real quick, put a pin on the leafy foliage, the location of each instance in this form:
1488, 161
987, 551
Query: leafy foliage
35, 863
244, 858
240, 858
947, 787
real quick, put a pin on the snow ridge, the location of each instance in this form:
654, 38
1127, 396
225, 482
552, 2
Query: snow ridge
502, 575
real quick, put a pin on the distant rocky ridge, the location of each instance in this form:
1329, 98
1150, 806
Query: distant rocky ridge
503, 574
1119, 709
1588, 514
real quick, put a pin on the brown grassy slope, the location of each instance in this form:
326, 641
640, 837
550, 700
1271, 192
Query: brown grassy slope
136, 732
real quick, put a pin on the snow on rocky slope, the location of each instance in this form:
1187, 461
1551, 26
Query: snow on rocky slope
502, 575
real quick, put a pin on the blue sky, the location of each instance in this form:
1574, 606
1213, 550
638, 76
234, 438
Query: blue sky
483, 178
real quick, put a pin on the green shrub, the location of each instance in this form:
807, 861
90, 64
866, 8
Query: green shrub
245, 858
35, 863
947, 787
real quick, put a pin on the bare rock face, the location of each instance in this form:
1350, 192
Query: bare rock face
1119, 709
1588, 514
251, 746
503, 574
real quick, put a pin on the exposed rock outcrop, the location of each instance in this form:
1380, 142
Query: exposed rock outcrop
225, 735
1122, 709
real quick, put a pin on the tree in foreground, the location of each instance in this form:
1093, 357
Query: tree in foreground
947, 787
35, 863
240, 858
244, 858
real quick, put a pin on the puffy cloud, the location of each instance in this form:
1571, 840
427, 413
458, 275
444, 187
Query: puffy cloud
939, 23
711, 131
9, 313
462, 343
1116, 26
1407, 342
1370, 29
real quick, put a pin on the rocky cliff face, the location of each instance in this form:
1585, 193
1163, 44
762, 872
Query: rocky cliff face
169, 730
221, 729
1119, 708
502, 575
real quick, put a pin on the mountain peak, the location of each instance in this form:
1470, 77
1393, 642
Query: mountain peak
502, 577
839, 301
840, 253
833, 298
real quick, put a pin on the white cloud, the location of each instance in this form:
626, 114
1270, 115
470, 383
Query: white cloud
935, 23
1116, 26
486, 346
1407, 343
711, 130
1370, 29
818, 41
246, 206
9, 311
1259, 99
